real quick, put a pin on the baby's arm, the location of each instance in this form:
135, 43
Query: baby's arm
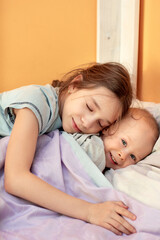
20, 182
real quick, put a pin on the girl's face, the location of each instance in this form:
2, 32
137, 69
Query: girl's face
131, 142
89, 110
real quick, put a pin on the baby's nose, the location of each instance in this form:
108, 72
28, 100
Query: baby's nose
122, 155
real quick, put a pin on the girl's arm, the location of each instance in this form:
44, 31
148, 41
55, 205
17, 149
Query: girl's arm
20, 182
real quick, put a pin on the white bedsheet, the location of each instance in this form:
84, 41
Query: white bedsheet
140, 181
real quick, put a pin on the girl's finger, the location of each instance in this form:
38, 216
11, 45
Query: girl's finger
122, 225
125, 212
121, 204
111, 228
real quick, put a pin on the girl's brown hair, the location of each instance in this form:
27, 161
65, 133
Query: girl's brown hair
112, 76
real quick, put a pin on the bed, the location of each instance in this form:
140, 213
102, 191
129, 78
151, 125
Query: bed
60, 161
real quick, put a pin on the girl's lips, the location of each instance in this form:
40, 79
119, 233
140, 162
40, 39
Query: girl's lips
75, 126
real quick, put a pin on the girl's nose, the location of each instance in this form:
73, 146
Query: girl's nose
87, 123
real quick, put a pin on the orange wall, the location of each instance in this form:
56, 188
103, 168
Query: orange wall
41, 40
149, 51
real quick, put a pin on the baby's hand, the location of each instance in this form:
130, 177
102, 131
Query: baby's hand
110, 216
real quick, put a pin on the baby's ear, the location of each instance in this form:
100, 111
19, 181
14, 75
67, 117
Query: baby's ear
104, 131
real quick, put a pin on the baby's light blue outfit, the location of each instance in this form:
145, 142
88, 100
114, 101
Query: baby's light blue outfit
94, 147
42, 100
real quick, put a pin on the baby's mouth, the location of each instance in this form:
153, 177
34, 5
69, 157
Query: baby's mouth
113, 159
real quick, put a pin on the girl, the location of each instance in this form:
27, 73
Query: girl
88, 100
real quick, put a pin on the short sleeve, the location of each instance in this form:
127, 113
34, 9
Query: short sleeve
41, 100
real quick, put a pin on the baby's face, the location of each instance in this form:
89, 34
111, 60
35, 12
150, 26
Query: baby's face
131, 142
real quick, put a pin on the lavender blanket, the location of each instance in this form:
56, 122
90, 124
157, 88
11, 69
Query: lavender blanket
60, 161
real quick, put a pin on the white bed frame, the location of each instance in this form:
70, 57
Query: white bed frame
117, 33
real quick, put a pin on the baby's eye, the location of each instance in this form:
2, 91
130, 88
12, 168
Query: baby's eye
124, 142
90, 109
133, 157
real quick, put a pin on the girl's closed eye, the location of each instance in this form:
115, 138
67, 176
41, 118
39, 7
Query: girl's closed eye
124, 142
89, 107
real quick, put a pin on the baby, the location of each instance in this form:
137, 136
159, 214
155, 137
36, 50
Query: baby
124, 143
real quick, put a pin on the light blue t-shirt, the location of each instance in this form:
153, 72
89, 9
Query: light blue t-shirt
42, 100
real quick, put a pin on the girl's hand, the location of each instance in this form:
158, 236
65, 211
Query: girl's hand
110, 216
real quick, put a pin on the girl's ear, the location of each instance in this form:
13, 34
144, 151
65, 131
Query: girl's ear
78, 78
72, 86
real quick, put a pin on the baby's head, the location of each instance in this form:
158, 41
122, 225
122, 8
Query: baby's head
131, 139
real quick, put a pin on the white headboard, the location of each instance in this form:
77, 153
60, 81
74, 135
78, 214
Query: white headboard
117, 33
